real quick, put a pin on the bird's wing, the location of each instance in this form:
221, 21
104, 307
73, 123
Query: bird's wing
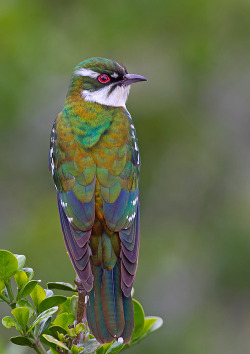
74, 174
118, 181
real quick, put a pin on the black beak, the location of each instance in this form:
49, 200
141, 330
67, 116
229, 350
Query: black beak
129, 79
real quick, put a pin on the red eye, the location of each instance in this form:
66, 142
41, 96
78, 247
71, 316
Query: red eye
103, 78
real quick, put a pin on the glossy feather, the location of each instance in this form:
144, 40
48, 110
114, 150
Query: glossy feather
94, 159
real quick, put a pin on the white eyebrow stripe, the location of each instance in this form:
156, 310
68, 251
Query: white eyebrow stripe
87, 72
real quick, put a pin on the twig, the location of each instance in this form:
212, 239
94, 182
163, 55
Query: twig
81, 309
39, 348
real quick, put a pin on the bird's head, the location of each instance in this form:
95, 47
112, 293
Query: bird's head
103, 81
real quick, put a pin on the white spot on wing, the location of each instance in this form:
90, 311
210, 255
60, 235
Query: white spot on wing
63, 204
129, 115
135, 143
120, 340
131, 218
52, 161
134, 201
70, 220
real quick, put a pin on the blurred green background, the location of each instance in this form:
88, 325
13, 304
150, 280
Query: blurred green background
193, 122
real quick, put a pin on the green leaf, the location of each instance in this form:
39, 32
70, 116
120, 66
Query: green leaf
62, 337
54, 330
21, 314
55, 341
26, 303
152, 323
38, 294
90, 346
29, 272
61, 286
71, 332
139, 319
21, 278
64, 320
21, 260
44, 325
8, 265
104, 348
116, 347
20, 340
42, 316
27, 289
148, 323
65, 306
80, 327
9, 322
51, 302
2, 285
74, 349
4, 295
73, 304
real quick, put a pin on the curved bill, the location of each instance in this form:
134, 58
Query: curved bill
129, 79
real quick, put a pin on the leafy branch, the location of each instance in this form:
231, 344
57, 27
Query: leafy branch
51, 323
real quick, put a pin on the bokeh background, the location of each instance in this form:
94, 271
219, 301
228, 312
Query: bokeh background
193, 122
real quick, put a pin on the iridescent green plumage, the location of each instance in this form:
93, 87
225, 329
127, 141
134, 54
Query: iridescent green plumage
95, 162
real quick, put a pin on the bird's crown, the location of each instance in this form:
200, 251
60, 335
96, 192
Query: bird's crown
103, 81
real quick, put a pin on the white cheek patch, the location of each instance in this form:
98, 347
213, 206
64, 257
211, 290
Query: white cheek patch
87, 72
117, 98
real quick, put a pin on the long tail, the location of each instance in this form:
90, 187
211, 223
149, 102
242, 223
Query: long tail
110, 313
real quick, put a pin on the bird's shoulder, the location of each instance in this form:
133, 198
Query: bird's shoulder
71, 163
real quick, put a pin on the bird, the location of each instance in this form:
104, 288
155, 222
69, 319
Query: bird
95, 161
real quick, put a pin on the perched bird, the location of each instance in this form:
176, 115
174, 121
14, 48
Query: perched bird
95, 161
